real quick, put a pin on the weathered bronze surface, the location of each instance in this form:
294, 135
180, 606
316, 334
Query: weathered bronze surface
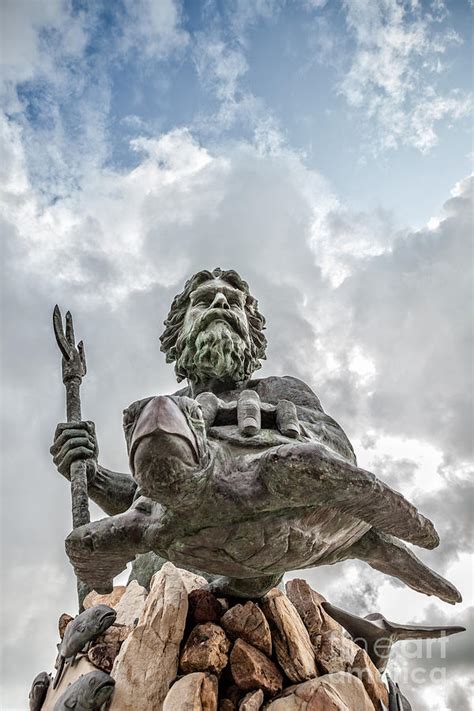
80, 632
239, 478
396, 700
38, 691
376, 634
89, 693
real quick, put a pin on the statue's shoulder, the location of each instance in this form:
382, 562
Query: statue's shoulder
286, 387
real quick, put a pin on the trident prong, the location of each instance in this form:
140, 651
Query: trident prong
70, 329
82, 357
59, 333
74, 359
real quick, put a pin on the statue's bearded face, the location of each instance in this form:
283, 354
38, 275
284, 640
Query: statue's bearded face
214, 341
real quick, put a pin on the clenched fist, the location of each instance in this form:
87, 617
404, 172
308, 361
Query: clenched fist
73, 441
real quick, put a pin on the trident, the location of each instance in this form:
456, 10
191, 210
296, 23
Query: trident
73, 370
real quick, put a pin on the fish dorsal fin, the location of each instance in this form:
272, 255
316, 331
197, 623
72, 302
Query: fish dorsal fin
358, 627
376, 618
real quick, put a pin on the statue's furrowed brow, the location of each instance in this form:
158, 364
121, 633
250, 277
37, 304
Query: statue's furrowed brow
211, 289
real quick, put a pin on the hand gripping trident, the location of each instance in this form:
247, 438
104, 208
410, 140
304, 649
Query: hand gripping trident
74, 369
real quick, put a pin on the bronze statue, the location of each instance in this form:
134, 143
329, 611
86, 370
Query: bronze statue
236, 477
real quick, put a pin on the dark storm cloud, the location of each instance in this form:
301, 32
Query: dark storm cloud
459, 698
452, 508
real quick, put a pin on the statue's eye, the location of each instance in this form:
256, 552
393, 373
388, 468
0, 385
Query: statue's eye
201, 300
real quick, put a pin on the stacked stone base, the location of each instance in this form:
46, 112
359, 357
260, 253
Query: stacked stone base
179, 647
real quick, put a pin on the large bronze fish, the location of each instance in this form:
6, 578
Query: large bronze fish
80, 631
88, 693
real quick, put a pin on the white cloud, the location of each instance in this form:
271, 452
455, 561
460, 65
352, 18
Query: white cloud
115, 250
154, 28
220, 57
220, 68
243, 15
399, 50
38, 38
347, 236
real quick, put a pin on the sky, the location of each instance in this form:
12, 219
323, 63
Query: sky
321, 148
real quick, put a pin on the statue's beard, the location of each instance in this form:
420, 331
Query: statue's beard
216, 351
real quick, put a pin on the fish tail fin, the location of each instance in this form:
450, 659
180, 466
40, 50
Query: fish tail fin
59, 672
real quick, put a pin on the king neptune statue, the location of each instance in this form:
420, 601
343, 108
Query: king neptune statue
235, 477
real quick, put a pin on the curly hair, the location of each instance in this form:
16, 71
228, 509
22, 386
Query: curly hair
174, 321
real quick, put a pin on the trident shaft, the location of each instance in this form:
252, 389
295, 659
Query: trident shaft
73, 370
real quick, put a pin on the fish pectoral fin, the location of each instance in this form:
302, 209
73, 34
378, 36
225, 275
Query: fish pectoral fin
389, 555
59, 672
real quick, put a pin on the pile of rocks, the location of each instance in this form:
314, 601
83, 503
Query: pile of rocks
181, 647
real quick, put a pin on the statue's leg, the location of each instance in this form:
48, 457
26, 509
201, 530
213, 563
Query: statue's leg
309, 474
385, 553
146, 565
245, 587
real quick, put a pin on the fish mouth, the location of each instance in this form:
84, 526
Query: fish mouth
109, 616
105, 686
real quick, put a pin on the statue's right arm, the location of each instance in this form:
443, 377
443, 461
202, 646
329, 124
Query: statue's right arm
112, 491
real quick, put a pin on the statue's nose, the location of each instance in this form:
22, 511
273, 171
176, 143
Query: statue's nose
220, 302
